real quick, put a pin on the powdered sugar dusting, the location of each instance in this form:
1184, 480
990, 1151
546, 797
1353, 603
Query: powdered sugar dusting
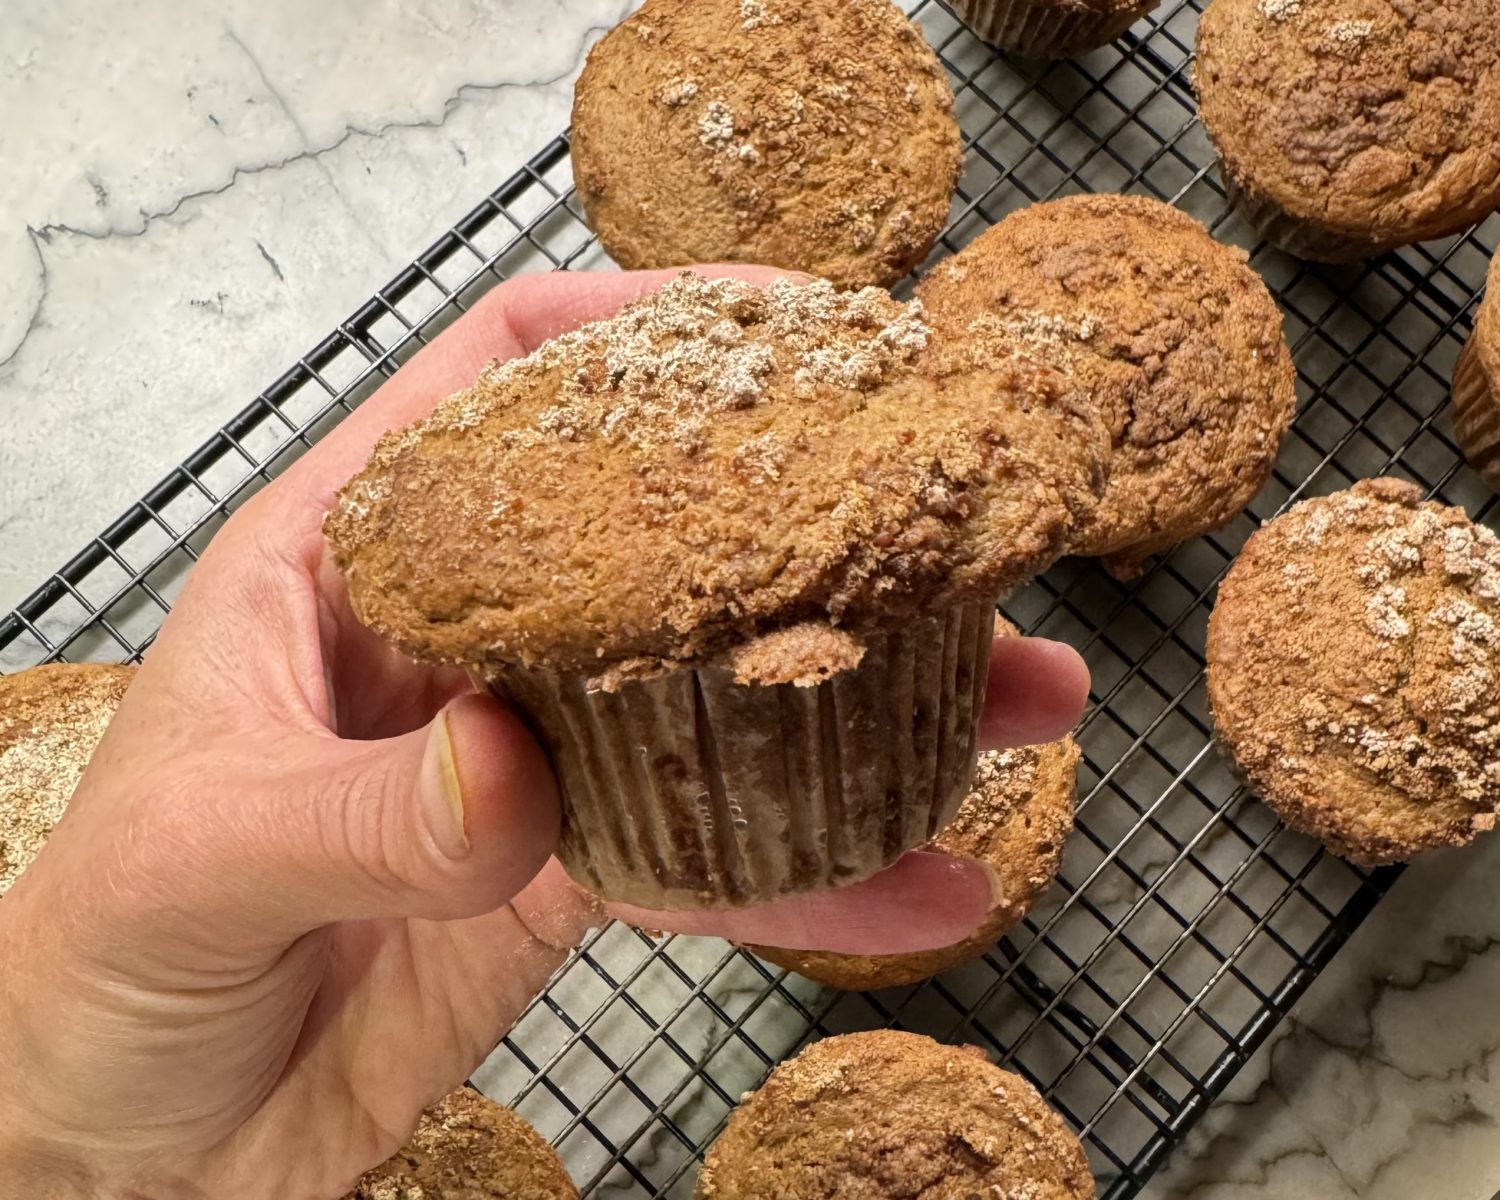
1280, 10
754, 14
1350, 33
716, 125
659, 372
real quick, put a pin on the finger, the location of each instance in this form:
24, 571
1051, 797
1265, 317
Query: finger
926, 901
510, 321
1036, 692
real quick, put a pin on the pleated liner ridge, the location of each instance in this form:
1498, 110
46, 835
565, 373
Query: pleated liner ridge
689, 790
1476, 414
1302, 239
1046, 29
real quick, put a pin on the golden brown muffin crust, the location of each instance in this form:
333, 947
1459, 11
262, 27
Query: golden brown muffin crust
51, 719
716, 463
1016, 819
894, 1116
470, 1148
1379, 119
1354, 671
811, 134
1172, 333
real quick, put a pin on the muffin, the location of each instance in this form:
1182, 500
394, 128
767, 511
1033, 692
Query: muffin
1350, 127
1173, 335
816, 135
1354, 671
470, 1148
889, 1116
735, 552
1476, 388
1016, 818
1050, 28
51, 718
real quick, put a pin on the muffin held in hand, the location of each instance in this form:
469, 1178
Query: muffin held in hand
469, 1148
1354, 671
894, 1116
1051, 28
1016, 820
816, 135
51, 719
736, 554
1173, 335
1350, 127
1476, 388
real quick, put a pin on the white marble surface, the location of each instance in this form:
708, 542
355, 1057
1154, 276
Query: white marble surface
192, 194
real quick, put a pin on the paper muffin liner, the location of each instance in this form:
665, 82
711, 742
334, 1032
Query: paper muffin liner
1476, 414
690, 790
1046, 28
1303, 239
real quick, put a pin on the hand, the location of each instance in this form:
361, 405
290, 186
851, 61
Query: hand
304, 886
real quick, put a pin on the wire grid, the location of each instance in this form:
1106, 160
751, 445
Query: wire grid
1186, 920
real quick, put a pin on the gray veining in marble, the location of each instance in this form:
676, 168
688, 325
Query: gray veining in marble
194, 194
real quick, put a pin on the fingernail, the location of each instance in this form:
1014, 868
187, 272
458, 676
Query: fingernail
997, 885
443, 792
976, 869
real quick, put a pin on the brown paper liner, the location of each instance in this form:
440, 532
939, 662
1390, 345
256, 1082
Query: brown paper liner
1045, 29
689, 790
1303, 239
1476, 413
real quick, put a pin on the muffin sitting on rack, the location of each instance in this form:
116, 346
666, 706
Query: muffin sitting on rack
1172, 335
812, 134
467, 1147
1354, 671
1350, 127
891, 1116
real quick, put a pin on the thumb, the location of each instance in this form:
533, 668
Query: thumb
448, 821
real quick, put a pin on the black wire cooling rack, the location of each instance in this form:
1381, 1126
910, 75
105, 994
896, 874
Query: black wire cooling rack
1185, 922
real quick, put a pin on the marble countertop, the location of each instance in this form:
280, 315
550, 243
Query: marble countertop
193, 194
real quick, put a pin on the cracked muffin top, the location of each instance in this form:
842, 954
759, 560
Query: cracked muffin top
716, 463
1376, 118
892, 1116
816, 135
51, 719
1354, 671
468, 1147
1174, 336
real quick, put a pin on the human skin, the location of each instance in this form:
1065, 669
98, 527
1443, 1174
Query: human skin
305, 885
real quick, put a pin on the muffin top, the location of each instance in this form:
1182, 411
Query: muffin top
1378, 118
1016, 819
812, 134
1354, 671
715, 464
1173, 335
51, 718
470, 1148
891, 1116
